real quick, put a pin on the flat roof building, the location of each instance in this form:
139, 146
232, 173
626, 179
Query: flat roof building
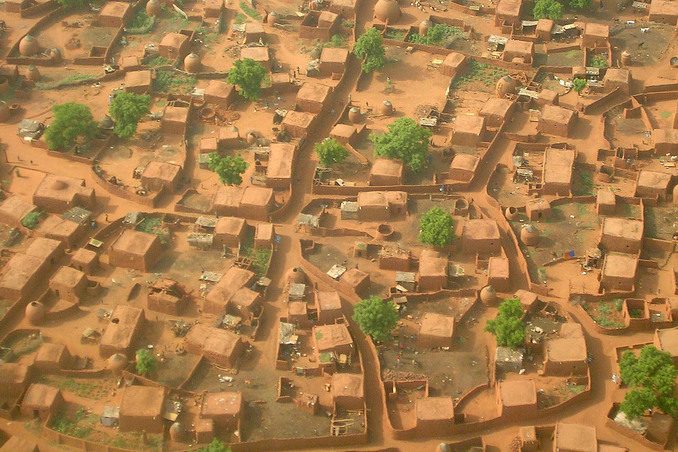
517, 51
623, 235
463, 167
142, 409
595, 35
41, 401
259, 54
217, 345
312, 97
497, 111
435, 415
281, 161
574, 438
135, 249
619, 272
57, 194
556, 120
297, 123
480, 236
219, 92
122, 331
224, 408
138, 82
333, 60
652, 183
468, 130
348, 391
14, 209
436, 330
432, 274
159, 176
387, 172
565, 356
517, 398
557, 173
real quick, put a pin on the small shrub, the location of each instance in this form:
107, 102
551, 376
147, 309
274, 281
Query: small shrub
31, 219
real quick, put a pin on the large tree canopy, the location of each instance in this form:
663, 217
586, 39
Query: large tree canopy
127, 109
404, 140
652, 376
228, 168
370, 48
547, 9
248, 75
436, 227
330, 151
376, 317
71, 121
507, 327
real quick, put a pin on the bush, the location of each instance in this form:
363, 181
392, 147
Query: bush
376, 317
436, 35
547, 9
370, 48
330, 151
507, 327
31, 219
579, 84
146, 362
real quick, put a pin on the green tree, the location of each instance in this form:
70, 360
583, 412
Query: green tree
330, 151
370, 49
652, 376
404, 140
248, 75
376, 317
580, 4
228, 168
126, 110
73, 3
579, 84
146, 362
71, 121
215, 446
507, 327
547, 9
435, 227
31, 219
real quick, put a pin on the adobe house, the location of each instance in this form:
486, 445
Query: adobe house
468, 130
574, 438
380, 205
619, 272
507, 12
392, 257
652, 183
557, 173
218, 299
219, 92
213, 9
254, 32
161, 175
595, 35
544, 29
130, 63
663, 11
57, 194
69, 284
217, 345
311, 97
16, 443
209, 145
528, 300
617, 78
142, 409
606, 202
343, 7
387, 172
496, 111
333, 339
480, 236
319, 25
666, 340
167, 296
229, 231
281, 160
435, 415
566, 355
20, 276
256, 203
498, 275
14, 209
556, 120
226, 200
347, 390
41, 401
14, 378
453, 64
174, 46
264, 235
85, 260
333, 60
329, 307
296, 123
174, 119
432, 274
115, 14
135, 249
356, 280
518, 51
51, 358
297, 314
229, 137
47, 250
547, 97
344, 133
436, 330
122, 331
225, 409
463, 167
538, 209
138, 82
517, 398
259, 54
623, 235
665, 141
245, 302
66, 231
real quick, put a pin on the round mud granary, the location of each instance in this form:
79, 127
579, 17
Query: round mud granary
387, 11
506, 85
354, 115
296, 275
384, 231
192, 63
529, 235
177, 432
626, 58
272, 18
488, 295
443, 447
252, 137
461, 207
29, 46
511, 213
153, 8
386, 108
35, 312
424, 26
117, 363
4, 112
32, 73
674, 61
55, 55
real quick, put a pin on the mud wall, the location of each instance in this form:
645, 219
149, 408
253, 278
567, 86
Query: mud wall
601, 101
13, 56
38, 9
